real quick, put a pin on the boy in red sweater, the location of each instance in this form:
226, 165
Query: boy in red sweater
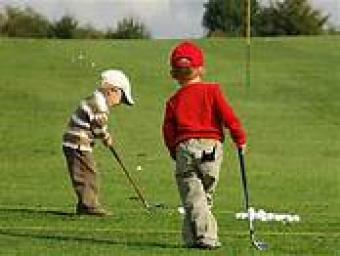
193, 131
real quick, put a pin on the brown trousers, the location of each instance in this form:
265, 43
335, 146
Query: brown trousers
198, 163
83, 174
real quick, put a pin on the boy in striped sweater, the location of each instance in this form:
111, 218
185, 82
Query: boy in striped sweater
88, 123
193, 130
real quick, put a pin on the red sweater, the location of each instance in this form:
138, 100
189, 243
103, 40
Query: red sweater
200, 110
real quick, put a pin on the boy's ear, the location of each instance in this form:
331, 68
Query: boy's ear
201, 70
172, 73
106, 92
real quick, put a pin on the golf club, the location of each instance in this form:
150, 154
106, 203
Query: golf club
257, 244
131, 181
139, 193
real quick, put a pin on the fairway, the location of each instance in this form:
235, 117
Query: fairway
290, 111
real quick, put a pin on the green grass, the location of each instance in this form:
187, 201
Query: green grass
290, 111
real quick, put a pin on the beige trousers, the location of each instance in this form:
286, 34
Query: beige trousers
198, 163
83, 174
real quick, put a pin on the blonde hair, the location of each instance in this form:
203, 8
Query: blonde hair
105, 86
185, 73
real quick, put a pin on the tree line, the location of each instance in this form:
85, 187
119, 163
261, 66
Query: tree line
220, 18
27, 23
279, 17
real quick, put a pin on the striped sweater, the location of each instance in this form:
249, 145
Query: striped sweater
87, 123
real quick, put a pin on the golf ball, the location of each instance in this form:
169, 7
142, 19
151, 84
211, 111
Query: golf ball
251, 213
241, 215
263, 218
270, 216
238, 215
290, 218
181, 210
261, 213
278, 217
139, 168
296, 218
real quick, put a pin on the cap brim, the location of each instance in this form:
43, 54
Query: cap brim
127, 99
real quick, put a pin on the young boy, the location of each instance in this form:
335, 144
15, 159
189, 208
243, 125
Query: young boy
89, 122
193, 133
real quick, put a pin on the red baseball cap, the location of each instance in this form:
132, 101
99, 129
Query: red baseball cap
187, 55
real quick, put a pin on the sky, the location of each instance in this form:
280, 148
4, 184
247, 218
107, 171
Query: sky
163, 18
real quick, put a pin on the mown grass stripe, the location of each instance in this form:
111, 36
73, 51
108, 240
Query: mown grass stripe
154, 231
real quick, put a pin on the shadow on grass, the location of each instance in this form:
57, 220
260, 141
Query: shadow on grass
92, 240
122, 239
38, 211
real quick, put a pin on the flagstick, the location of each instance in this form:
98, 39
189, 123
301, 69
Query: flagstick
248, 39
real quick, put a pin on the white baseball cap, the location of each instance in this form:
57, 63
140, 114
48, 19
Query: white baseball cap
118, 79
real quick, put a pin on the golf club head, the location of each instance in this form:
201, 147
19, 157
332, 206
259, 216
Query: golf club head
261, 246
160, 205
155, 206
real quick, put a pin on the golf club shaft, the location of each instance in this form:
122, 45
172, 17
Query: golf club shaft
257, 244
127, 174
245, 191
244, 178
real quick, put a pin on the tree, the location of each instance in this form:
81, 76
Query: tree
227, 17
16, 22
129, 28
65, 28
88, 32
291, 17
2, 22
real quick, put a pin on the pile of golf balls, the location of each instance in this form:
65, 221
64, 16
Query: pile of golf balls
261, 215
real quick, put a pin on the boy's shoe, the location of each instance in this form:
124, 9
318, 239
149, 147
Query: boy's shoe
99, 212
205, 246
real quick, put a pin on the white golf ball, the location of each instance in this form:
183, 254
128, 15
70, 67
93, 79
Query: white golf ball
289, 218
263, 218
283, 218
139, 168
270, 216
278, 217
244, 216
181, 210
296, 218
251, 213
238, 215
261, 212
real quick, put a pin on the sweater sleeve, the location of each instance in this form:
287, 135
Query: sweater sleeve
99, 124
169, 130
229, 119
